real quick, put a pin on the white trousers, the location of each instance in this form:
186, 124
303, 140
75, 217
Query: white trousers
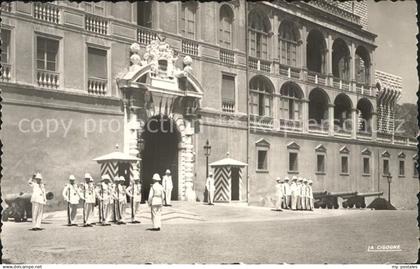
168, 194
73, 213
108, 212
303, 202
121, 210
37, 210
136, 207
294, 202
156, 211
89, 212
211, 196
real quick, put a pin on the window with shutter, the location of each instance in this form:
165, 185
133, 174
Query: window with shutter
228, 89
187, 23
144, 13
287, 43
5, 45
225, 26
97, 63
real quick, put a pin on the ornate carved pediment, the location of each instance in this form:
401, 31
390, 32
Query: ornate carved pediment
401, 155
157, 72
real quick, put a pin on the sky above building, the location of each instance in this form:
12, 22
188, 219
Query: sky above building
395, 25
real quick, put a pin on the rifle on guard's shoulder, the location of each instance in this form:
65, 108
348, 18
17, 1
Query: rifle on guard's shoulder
132, 201
68, 206
84, 203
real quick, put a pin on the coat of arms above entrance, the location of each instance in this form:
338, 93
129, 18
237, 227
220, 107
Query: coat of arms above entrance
161, 58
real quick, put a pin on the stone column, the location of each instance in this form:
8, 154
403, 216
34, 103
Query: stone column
354, 123
352, 77
329, 59
189, 162
374, 123
302, 47
305, 115
125, 126
331, 119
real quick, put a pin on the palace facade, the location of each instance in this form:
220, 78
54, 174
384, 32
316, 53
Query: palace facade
287, 88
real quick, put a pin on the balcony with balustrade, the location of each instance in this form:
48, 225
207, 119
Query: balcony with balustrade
228, 106
6, 72
145, 35
259, 65
341, 84
6, 7
46, 12
97, 86
261, 122
289, 71
189, 47
226, 56
290, 125
317, 78
96, 24
48, 79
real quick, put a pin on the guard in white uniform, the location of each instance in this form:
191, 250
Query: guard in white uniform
279, 193
89, 197
38, 200
210, 188
311, 196
307, 202
303, 194
104, 195
134, 191
120, 199
155, 202
287, 193
299, 194
167, 187
72, 195
294, 192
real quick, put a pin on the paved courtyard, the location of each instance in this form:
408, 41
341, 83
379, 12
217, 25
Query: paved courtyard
196, 233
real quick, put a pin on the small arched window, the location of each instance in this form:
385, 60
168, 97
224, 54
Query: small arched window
288, 43
188, 19
291, 102
225, 26
261, 93
259, 28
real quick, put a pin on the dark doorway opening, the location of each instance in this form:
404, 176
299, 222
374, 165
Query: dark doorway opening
234, 191
161, 138
124, 170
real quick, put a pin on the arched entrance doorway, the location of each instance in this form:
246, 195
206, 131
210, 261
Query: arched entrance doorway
161, 138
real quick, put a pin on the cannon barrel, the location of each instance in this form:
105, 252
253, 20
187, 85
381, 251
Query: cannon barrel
319, 194
368, 194
342, 194
11, 198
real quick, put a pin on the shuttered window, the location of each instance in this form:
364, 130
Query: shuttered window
97, 63
187, 23
228, 88
5, 45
